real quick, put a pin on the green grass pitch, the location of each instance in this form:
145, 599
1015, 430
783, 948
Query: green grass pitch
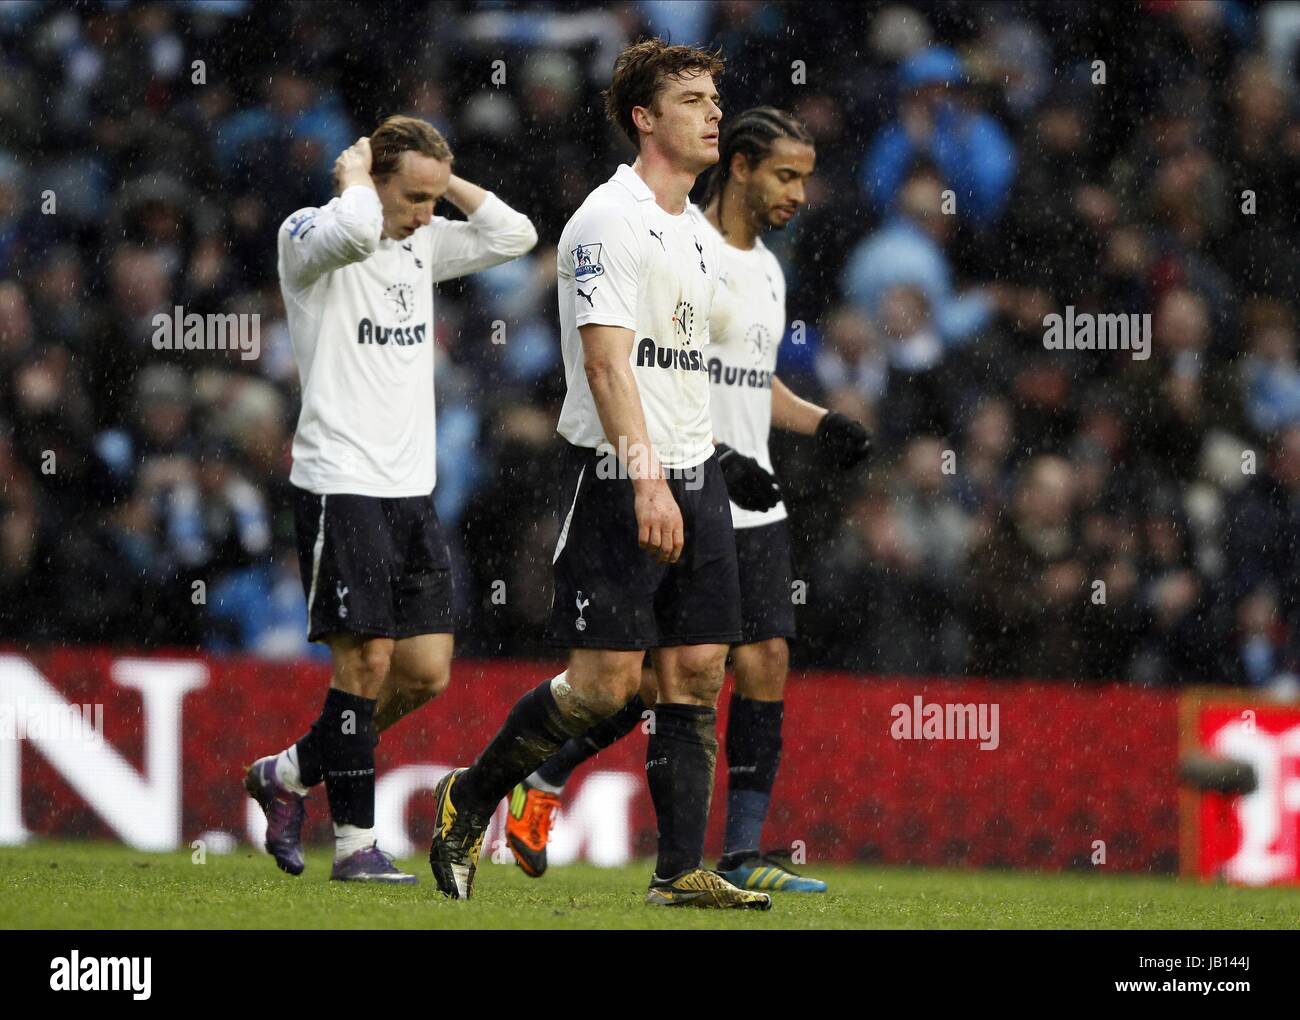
99, 885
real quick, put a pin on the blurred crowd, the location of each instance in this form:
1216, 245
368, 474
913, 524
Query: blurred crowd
1074, 514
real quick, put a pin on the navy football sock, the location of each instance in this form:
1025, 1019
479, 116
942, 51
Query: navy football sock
753, 755
310, 769
344, 737
680, 757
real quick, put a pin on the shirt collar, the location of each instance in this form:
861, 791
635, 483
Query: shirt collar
628, 177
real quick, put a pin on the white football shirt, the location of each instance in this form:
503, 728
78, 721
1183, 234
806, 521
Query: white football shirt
360, 316
623, 261
746, 327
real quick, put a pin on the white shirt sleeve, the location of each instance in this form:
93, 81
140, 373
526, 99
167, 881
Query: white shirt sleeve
604, 254
313, 242
493, 233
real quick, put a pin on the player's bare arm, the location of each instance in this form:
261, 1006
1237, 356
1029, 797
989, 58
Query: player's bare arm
791, 412
606, 350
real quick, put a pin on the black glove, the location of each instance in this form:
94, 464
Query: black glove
750, 487
842, 442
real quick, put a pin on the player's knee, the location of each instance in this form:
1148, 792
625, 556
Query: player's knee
701, 677
426, 682
630, 684
376, 658
706, 685
612, 694
438, 682
775, 655
372, 662
597, 684
761, 669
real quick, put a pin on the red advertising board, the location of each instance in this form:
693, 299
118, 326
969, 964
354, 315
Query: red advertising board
887, 770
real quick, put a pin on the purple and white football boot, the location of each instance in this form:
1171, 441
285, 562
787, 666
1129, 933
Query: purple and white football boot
284, 811
370, 865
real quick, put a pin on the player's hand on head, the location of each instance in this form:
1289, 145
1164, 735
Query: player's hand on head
660, 530
363, 150
748, 484
841, 441
353, 164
